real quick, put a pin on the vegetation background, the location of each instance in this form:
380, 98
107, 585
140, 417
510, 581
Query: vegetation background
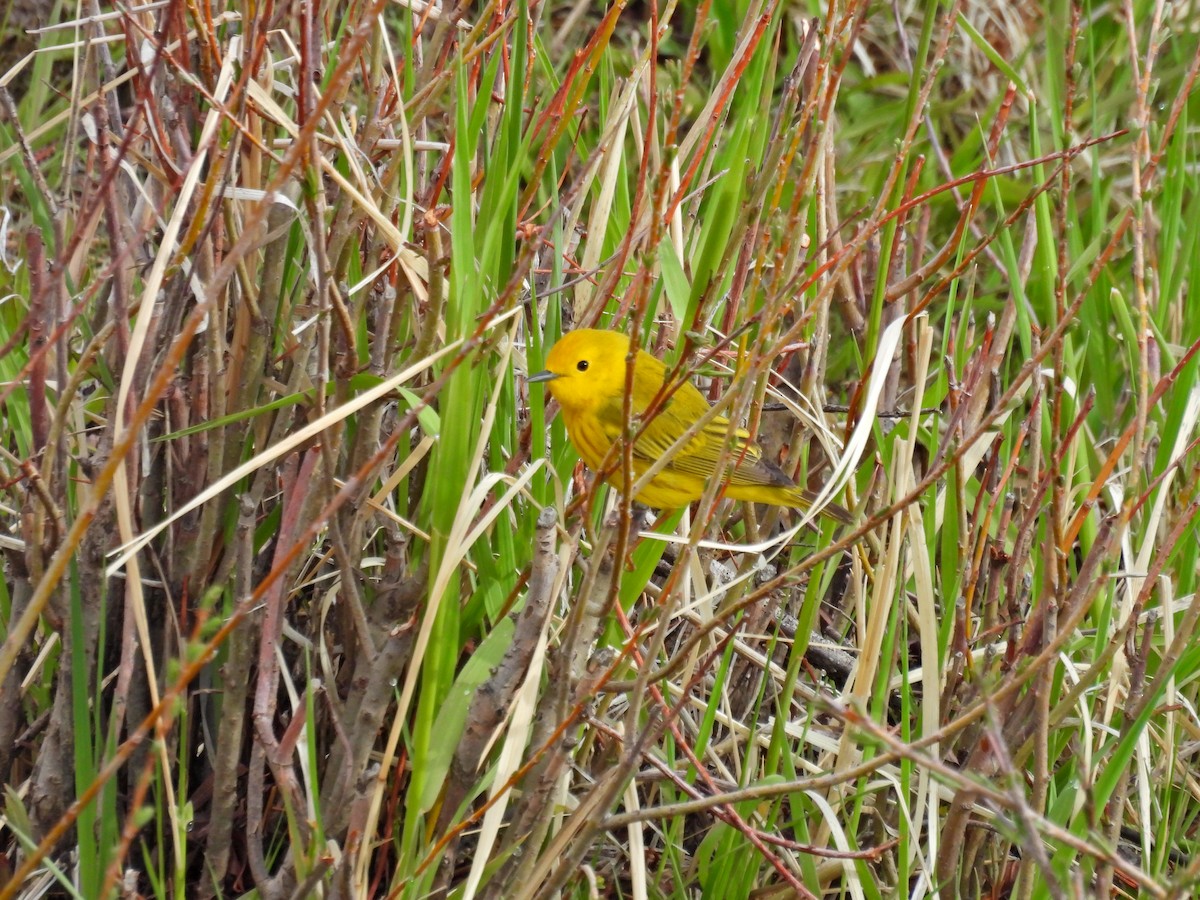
270, 274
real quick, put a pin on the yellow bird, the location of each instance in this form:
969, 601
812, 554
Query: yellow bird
585, 372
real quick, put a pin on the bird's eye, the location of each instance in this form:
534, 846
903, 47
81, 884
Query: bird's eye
582, 365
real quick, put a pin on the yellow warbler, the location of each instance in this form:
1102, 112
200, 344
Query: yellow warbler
585, 371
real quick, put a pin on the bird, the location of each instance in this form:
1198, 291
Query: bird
585, 372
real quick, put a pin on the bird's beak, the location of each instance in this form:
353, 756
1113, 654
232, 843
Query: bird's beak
541, 376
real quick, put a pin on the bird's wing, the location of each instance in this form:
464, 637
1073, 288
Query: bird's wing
659, 432
744, 464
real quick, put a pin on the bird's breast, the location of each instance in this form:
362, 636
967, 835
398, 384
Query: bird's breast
588, 436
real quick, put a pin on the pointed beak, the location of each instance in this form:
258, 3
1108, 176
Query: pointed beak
541, 376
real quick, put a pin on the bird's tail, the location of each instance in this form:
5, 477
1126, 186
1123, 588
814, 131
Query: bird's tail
805, 499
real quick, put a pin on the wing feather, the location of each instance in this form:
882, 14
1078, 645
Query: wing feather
744, 465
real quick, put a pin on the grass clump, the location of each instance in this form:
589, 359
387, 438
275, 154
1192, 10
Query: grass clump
305, 595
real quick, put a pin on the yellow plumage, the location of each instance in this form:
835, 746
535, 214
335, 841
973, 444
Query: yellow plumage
585, 372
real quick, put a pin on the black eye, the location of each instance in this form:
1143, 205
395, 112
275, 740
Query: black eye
582, 365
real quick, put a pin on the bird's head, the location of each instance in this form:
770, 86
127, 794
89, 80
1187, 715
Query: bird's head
586, 368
